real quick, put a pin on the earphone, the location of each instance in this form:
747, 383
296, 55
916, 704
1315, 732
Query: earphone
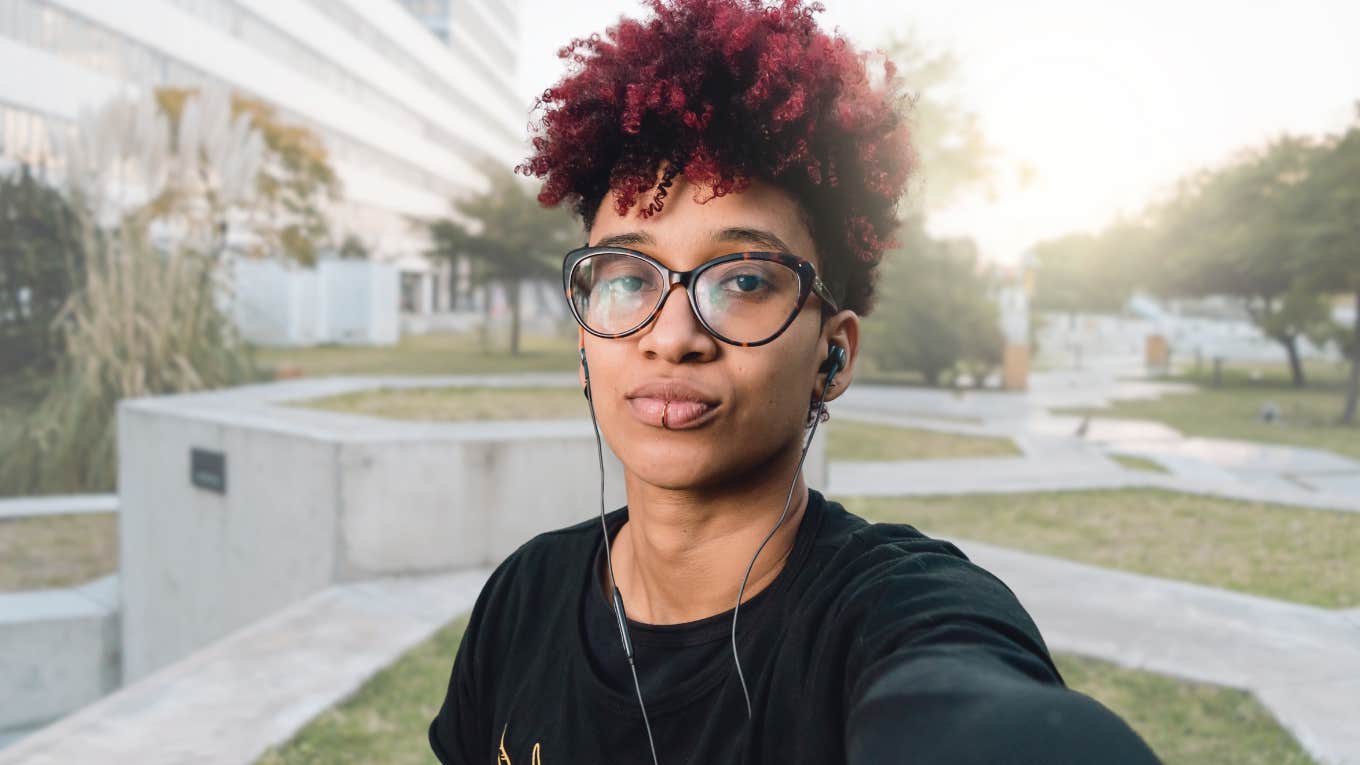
836, 361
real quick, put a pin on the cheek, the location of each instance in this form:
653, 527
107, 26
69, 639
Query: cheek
771, 391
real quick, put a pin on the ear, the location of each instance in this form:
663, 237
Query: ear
843, 330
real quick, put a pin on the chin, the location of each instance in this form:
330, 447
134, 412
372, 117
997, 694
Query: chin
668, 462
682, 461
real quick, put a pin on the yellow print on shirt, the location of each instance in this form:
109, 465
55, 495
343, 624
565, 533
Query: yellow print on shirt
503, 757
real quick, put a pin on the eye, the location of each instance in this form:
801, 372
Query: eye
625, 284
744, 283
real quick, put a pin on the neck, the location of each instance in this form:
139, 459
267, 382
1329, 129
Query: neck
681, 554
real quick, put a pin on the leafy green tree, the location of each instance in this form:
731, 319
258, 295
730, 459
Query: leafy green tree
1329, 205
1085, 272
935, 314
509, 236
1235, 231
42, 261
353, 248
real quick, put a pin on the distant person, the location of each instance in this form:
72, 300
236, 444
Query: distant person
737, 171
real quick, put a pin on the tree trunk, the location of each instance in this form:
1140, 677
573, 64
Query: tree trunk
1291, 346
1353, 392
484, 333
514, 316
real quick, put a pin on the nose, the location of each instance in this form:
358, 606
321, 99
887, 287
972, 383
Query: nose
675, 334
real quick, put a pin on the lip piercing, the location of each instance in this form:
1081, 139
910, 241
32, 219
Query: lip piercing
664, 406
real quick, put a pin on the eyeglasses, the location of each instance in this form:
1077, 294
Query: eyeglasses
744, 299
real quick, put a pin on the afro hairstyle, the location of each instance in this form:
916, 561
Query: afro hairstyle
723, 91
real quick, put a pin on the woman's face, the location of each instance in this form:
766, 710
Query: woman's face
680, 408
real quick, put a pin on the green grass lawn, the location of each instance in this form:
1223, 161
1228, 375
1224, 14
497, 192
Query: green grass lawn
57, 550
458, 404
385, 721
1186, 723
1134, 462
1308, 416
433, 354
854, 440
1298, 554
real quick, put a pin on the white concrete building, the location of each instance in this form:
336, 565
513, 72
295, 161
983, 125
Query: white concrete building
407, 108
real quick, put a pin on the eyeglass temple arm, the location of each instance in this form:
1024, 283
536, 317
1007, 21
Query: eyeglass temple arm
820, 288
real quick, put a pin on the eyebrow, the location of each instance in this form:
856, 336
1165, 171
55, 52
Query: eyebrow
630, 239
756, 236
735, 234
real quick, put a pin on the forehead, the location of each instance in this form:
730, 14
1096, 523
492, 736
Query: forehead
687, 232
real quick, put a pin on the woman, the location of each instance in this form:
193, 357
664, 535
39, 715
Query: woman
737, 172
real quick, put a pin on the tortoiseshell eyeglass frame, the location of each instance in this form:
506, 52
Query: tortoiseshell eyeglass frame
808, 282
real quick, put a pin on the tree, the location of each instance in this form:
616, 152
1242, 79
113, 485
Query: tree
41, 263
1235, 231
1329, 205
508, 235
935, 313
1088, 272
353, 248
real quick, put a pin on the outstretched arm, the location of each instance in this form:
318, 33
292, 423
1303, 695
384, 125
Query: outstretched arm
962, 705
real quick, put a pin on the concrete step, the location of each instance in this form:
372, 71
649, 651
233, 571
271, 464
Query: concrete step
229, 702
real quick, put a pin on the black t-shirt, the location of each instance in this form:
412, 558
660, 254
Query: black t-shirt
874, 644
669, 652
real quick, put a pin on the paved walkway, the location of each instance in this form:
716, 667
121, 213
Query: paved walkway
229, 702
1069, 452
1301, 662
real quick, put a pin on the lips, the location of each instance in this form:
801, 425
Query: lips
671, 404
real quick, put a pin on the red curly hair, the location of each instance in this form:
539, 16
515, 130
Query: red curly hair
724, 91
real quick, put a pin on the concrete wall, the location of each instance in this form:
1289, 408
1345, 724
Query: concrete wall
314, 497
58, 652
424, 505
196, 564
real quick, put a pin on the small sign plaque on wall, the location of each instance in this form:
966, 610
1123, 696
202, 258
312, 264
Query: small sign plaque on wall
208, 470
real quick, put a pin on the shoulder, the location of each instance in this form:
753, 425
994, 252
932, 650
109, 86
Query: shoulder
891, 560
899, 588
537, 567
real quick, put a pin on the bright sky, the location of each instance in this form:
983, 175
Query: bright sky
1108, 102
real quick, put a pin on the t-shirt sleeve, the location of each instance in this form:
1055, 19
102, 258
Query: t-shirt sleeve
948, 667
453, 730
457, 733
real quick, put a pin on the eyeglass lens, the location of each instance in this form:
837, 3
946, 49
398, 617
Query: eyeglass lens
746, 301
